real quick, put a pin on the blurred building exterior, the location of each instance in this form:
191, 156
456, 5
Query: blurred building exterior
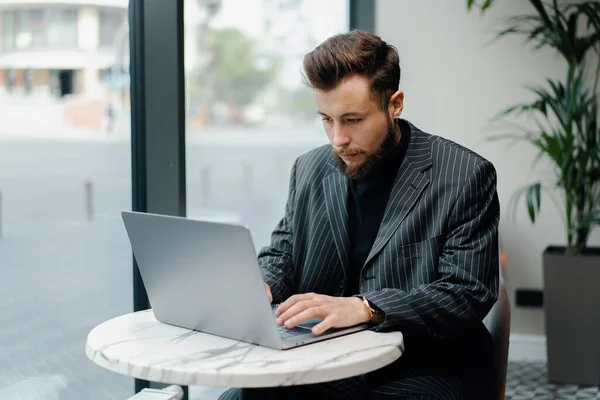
60, 48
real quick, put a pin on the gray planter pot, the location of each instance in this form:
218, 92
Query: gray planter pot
572, 308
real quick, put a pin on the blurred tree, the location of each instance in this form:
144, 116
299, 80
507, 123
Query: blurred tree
238, 72
302, 103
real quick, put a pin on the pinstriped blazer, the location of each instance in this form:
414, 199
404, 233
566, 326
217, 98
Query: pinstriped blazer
433, 268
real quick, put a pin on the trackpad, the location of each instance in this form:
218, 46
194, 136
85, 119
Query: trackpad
310, 323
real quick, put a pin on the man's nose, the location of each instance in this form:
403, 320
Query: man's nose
340, 137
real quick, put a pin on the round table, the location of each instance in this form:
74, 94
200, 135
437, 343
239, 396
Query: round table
139, 346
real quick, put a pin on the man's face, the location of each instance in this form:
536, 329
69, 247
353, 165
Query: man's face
359, 131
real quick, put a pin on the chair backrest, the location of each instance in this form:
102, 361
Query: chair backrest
497, 323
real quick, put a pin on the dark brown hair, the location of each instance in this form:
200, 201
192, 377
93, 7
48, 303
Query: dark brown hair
354, 53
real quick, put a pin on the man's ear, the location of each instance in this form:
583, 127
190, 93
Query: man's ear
396, 104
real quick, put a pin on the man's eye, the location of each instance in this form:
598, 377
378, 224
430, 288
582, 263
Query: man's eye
328, 120
353, 120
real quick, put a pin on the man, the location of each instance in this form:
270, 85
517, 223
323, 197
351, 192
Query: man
390, 226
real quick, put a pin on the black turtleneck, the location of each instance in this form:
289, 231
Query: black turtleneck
367, 201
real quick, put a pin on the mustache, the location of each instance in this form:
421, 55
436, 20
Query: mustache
340, 151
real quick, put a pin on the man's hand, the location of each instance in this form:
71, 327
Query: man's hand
268, 289
336, 312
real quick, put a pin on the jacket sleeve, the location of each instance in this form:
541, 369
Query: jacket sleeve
468, 269
276, 259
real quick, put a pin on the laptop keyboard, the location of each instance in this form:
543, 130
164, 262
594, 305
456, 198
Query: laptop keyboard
285, 333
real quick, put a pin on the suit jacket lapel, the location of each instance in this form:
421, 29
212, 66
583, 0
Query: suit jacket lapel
335, 186
407, 188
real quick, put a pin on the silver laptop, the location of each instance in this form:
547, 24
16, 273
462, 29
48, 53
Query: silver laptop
205, 276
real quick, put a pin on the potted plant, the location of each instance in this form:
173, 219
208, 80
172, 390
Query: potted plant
567, 133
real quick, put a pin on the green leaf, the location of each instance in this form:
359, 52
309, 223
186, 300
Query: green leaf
532, 199
486, 5
483, 7
565, 111
557, 26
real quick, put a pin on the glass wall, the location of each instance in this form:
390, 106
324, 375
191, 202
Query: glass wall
248, 113
34, 28
61, 25
110, 20
65, 175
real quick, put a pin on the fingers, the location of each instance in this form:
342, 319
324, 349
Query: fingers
295, 310
311, 311
321, 327
286, 305
335, 312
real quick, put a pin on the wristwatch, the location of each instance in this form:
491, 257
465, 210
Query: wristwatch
375, 316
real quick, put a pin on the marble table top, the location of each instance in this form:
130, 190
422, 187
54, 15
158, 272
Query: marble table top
139, 346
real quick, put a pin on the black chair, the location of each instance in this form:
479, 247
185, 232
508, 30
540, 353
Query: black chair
497, 323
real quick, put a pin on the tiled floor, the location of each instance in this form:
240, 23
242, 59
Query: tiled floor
527, 381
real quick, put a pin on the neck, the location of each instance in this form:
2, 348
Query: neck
398, 130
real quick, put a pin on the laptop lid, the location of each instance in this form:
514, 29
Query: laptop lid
203, 276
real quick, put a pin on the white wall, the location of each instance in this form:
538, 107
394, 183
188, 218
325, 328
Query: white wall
455, 81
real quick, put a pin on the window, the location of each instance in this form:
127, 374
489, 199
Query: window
28, 29
109, 23
38, 28
248, 113
65, 175
62, 27
8, 31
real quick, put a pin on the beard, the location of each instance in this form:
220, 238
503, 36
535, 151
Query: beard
373, 163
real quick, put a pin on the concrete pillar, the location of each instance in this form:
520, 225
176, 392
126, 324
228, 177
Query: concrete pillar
88, 37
